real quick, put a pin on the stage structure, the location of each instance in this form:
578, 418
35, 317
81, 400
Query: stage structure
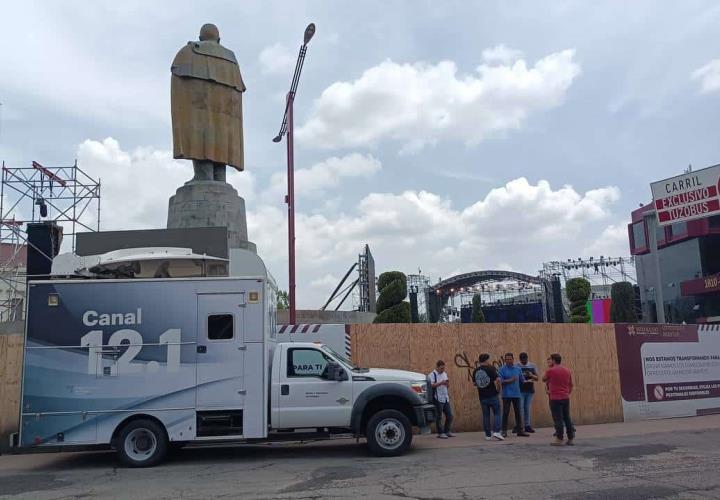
601, 272
418, 287
64, 200
362, 289
505, 296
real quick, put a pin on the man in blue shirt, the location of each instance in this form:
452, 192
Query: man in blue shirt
511, 377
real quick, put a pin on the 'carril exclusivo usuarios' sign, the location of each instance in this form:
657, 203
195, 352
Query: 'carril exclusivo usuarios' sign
688, 196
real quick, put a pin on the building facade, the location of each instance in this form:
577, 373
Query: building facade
689, 262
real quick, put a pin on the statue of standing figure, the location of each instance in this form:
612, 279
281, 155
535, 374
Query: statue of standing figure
206, 101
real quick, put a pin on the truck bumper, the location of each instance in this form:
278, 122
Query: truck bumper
425, 415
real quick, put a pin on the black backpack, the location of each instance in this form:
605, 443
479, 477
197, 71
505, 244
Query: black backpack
431, 389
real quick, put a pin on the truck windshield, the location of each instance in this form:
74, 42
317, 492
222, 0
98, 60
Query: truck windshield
344, 360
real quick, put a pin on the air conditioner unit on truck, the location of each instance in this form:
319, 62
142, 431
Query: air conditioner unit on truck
146, 365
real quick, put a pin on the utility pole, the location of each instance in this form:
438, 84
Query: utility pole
652, 224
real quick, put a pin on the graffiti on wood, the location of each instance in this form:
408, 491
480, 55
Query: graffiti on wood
462, 361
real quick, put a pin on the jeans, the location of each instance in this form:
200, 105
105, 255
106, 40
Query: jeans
440, 409
515, 402
487, 405
560, 409
526, 402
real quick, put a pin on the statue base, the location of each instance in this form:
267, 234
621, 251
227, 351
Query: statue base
210, 204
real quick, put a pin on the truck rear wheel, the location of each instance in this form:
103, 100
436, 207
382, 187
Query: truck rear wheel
389, 433
142, 443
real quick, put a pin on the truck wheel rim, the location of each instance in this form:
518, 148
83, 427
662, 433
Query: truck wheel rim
390, 433
140, 444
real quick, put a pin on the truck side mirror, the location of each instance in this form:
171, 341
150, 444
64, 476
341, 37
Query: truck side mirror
335, 372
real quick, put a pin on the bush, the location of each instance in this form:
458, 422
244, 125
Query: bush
622, 308
391, 307
578, 293
399, 313
477, 312
283, 301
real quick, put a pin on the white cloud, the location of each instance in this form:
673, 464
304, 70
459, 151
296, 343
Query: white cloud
420, 103
708, 76
613, 242
277, 59
501, 54
136, 185
518, 225
327, 282
323, 176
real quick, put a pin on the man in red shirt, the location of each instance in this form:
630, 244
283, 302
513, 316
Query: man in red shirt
560, 385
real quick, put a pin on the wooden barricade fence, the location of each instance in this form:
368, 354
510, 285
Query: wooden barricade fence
588, 350
11, 348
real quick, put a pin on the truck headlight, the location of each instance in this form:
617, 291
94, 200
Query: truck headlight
420, 388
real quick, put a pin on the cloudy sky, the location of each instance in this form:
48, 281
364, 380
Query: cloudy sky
450, 136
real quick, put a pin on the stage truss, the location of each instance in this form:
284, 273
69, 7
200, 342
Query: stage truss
601, 272
496, 292
419, 286
66, 195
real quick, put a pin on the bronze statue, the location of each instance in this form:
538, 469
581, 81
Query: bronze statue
206, 101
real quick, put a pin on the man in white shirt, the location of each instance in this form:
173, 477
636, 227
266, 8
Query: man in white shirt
439, 380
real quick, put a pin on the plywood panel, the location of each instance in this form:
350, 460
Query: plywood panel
588, 350
10, 369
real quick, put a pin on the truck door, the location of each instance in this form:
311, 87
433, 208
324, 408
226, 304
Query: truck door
307, 398
220, 351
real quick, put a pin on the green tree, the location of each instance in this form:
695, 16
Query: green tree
477, 312
578, 293
391, 305
622, 308
283, 302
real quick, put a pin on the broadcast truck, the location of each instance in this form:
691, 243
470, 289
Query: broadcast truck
147, 365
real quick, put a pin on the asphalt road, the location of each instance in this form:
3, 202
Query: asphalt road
679, 464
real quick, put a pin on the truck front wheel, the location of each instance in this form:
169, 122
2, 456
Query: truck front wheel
142, 443
389, 433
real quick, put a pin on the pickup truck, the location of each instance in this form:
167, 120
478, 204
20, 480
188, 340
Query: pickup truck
148, 365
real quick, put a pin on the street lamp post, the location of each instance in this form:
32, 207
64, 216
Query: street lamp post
286, 128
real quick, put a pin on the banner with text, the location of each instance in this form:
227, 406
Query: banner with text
668, 370
689, 196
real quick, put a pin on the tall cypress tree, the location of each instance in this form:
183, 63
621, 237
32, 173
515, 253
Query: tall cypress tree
622, 309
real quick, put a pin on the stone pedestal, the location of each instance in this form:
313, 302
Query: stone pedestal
210, 204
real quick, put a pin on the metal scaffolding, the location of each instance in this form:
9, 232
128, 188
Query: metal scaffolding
601, 272
495, 292
66, 195
419, 285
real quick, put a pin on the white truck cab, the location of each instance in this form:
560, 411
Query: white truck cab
316, 387
144, 365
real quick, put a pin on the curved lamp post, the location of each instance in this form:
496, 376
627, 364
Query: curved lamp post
286, 128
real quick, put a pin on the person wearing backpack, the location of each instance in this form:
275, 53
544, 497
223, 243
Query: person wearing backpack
439, 382
488, 385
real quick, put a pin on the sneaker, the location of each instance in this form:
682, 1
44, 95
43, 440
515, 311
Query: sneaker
450, 435
570, 442
523, 434
529, 429
488, 438
498, 436
514, 431
557, 442
504, 434
442, 436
